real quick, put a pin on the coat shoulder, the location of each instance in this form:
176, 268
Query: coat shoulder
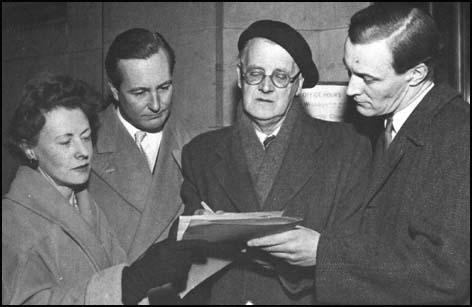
340, 133
209, 140
18, 226
453, 115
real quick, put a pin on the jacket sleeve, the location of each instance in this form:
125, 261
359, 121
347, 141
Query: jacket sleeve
426, 260
347, 206
346, 209
26, 279
189, 191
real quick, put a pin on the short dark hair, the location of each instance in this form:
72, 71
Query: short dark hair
411, 34
135, 43
43, 93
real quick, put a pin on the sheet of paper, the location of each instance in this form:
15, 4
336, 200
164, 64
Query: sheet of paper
200, 272
184, 222
226, 227
233, 226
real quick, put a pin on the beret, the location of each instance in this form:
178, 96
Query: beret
289, 39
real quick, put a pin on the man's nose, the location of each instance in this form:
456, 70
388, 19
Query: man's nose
154, 103
354, 86
266, 85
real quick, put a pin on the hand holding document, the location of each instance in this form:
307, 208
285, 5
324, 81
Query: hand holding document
230, 226
224, 227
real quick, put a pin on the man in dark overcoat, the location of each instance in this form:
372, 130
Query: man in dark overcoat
275, 157
414, 243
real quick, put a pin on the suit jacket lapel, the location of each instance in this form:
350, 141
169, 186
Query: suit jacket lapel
116, 162
297, 168
232, 173
32, 191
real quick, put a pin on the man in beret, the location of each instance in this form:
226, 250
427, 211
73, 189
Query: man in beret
275, 157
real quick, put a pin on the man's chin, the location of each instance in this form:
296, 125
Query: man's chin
264, 119
364, 111
154, 125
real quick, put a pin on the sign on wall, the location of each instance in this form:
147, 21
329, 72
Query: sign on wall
326, 101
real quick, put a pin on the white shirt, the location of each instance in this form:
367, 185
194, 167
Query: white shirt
400, 117
150, 143
262, 136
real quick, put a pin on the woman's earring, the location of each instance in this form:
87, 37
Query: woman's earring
33, 162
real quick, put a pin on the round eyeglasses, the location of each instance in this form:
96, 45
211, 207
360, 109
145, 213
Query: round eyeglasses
280, 79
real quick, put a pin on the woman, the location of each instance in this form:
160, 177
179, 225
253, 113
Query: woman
57, 247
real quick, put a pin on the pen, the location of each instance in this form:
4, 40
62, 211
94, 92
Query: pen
206, 207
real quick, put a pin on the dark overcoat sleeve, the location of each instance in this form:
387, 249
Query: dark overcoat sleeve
189, 191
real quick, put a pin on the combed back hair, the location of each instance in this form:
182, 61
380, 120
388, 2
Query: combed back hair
135, 44
42, 94
410, 32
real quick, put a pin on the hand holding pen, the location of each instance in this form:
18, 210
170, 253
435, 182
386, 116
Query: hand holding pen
206, 210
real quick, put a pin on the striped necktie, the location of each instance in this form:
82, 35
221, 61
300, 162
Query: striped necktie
388, 133
268, 140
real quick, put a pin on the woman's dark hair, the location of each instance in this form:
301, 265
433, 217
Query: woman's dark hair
42, 94
411, 33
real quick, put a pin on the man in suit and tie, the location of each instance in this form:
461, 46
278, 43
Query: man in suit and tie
414, 243
275, 157
136, 175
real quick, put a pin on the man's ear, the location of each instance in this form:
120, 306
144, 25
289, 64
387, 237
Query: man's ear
114, 91
417, 74
300, 85
238, 71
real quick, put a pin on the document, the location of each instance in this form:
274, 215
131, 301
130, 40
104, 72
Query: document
233, 226
227, 227
200, 272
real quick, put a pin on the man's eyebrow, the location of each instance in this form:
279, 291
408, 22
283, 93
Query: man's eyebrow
254, 66
85, 130
134, 89
168, 82
367, 75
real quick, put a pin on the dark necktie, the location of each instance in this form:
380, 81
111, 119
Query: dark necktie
267, 141
388, 133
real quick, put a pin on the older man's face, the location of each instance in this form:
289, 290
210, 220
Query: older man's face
265, 103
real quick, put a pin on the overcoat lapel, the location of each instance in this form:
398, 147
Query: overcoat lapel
298, 167
43, 199
115, 162
386, 165
162, 203
232, 174
410, 137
